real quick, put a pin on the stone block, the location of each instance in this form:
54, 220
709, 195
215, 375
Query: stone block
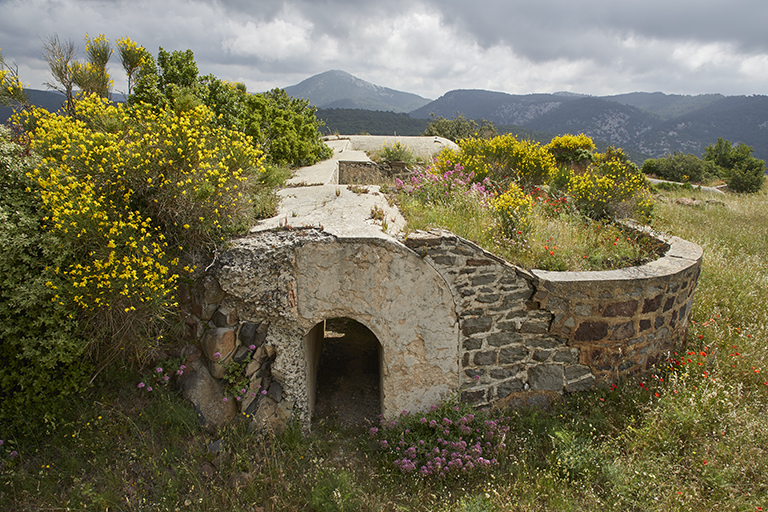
247, 334
275, 391
504, 373
472, 343
651, 305
512, 355
644, 324
625, 309
241, 354
546, 377
207, 397
583, 310
217, 370
252, 368
543, 342
445, 261
541, 355
211, 291
591, 331
580, 385
483, 279
502, 339
566, 355
513, 299
225, 317
488, 298
506, 388
537, 322
473, 396
221, 341
623, 331
475, 325
485, 358
576, 372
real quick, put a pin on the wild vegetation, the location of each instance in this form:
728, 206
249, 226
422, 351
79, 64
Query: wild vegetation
108, 208
741, 171
690, 435
102, 211
551, 207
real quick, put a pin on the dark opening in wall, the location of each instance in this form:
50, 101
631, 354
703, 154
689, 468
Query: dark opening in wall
347, 373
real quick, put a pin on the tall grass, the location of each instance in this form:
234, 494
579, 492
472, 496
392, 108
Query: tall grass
691, 435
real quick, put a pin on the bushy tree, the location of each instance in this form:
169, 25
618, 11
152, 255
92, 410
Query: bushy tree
681, 167
459, 128
740, 170
90, 76
285, 128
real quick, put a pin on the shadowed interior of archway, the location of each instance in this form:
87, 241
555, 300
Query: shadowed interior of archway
348, 374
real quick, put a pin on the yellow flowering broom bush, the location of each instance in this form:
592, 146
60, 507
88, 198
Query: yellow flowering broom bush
130, 191
504, 159
513, 210
611, 188
569, 149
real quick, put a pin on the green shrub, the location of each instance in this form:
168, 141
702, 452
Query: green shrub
571, 149
682, 168
741, 171
746, 177
613, 187
129, 191
397, 152
42, 354
504, 160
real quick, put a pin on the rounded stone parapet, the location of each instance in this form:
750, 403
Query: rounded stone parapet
623, 321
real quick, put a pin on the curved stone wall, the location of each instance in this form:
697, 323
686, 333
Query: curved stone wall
623, 321
528, 332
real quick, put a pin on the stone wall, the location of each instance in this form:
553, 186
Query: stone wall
448, 315
623, 321
559, 331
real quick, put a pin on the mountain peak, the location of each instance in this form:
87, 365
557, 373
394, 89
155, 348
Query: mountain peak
338, 89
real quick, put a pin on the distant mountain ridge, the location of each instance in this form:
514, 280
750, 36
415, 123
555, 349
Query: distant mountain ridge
339, 89
654, 124
649, 124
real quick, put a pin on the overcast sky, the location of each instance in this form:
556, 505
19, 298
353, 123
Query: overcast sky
427, 47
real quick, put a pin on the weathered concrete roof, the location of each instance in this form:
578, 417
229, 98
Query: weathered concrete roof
314, 198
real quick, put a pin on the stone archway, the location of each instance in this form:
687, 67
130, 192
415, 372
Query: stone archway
344, 376
404, 302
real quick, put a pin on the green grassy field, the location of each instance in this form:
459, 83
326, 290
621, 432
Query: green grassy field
691, 435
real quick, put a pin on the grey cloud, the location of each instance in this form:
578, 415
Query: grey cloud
593, 46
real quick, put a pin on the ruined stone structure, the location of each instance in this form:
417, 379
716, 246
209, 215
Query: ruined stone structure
449, 317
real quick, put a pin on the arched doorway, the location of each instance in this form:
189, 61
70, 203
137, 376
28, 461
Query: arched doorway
344, 375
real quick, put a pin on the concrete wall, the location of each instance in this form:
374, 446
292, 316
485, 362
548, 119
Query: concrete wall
287, 282
357, 173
